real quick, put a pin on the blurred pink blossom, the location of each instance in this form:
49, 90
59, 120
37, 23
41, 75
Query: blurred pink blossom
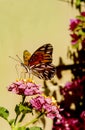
26, 88
74, 23
46, 105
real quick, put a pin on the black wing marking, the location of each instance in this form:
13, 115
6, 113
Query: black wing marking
44, 71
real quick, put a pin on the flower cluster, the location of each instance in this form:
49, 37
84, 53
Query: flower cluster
69, 124
46, 105
38, 102
77, 28
73, 102
24, 87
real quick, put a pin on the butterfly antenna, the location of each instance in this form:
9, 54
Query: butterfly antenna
19, 58
13, 58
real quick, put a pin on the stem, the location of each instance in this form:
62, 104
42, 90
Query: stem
34, 120
22, 117
23, 99
16, 118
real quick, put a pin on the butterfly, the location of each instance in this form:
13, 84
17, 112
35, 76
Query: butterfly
40, 62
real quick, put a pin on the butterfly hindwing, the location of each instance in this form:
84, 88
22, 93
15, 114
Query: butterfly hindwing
44, 71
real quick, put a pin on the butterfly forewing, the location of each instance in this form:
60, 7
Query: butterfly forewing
42, 55
26, 57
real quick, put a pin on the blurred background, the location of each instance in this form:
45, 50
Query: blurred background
28, 25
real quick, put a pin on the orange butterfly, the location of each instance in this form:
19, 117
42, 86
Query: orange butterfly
40, 62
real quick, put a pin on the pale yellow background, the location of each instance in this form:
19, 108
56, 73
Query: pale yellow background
28, 24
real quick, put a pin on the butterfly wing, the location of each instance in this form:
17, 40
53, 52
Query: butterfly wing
40, 62
42, 55
26, 57
44, 71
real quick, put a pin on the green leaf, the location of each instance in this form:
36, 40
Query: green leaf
35, 128
75, 46
21, 128
27, 128
82, 18
24, 109
11, 121
17, 110
17, 127
4, 113
78, 3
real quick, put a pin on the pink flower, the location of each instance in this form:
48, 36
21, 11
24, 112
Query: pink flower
23, 87
75, 38
74, 23
37, 102
54, 112
46, 105
83, 14
83, 116
77, 28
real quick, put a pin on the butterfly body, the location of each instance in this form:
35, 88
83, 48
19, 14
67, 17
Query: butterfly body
40, 62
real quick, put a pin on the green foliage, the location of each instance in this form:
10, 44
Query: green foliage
22, 108
4, 113
11, 121
17, 110
24, 128
20, 128
78, 3
34, 128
